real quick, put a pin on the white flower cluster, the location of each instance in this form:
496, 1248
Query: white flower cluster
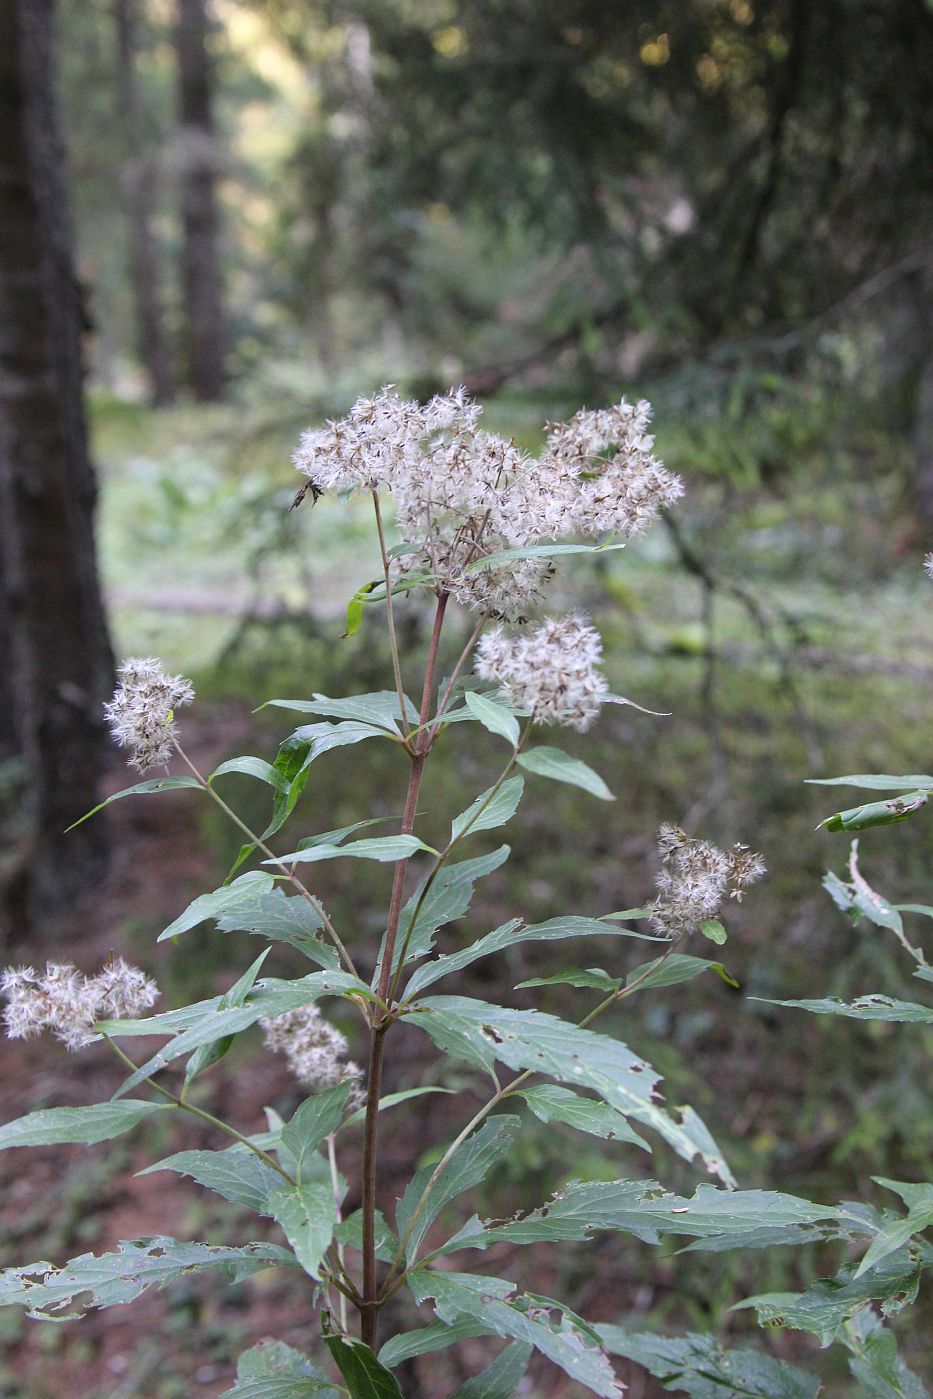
462, 494
140, 714
550, 670
695, 880
64, 1001
928, 564
316, 1050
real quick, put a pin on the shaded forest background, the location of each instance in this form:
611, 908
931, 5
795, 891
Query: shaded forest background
255, 211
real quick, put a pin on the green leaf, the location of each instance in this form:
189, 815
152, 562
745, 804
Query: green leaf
697, 1365
448, 898
314, 1120
391, 1100
281, 917
429, 1338
500, 1379
630, 914
350, 1232
551, 1103
154, 784
876, 781
880, 813
468, 1167
383, 848
491, 809
712, 928
538, 551
551, 762
236, 1173
366, 1377
273, 1370
590, 978
860, 900
872, 1007
98, 1123
523, 1317
109, 1279
222, 903
875, 1362
508, 935
481, 1033
672, 970
252, 767
308, 1216
493, 716
356, 609
825, 1307
380, 709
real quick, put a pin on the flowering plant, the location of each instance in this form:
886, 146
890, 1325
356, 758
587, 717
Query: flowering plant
480, 524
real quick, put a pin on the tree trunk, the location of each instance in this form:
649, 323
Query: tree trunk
201, 282
923, 417
61, 664
141, 183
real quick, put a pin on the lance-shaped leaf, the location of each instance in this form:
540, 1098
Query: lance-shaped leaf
500, 1379
697, 1365
427, 1339
551, 1103
382, 848
560, 767
492, 808
109, 1279
365, 1376
308, 1216
919, 1201
872, 1007
249, 766
875, 1363
468, 1167
539, 551
381, 709
879, 813
273, 1370
153, 784
589, 978
222, 903
672, 970
392, 1100
350, 1233
481, 1033
824, 1308
98, 1123
448, 898
280, 917
314, 1120
236, 1173
494, 716
876, 781
554, 930
641, 1207
524, 1317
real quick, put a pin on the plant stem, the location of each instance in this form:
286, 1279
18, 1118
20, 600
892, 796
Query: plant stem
260, 844
369, 1310
390, 617
335, 1183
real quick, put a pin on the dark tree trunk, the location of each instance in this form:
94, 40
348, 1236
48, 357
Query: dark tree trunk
201, 282
141, 183
923, 417
61, 665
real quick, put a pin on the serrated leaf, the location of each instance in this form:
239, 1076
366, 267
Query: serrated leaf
448, 898
273, 1370
383, 848
469, 1165
697, 1365
380, 708
551, 1103
153, 784
493, 716
500, 1379
281, 917
523, 1317
481, 1033
308, 1217
491, 809
426, 1339
98, 1123
110, 1279
223, 902
350, 1233
251, 767
237, 1174
872, 1007
552, 763
365, 1376
875, 1362
876, 781
314, 1120
675, 968
508, 935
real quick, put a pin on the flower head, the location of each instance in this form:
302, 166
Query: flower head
550, 670
695, 880
315, 1050
64, 1001
141, 712
928, 565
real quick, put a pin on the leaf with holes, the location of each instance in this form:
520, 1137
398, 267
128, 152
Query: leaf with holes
237, 1174
273, 1370
697, 1365
308, 1217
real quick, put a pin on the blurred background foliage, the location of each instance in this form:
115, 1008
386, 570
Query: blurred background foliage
722, 205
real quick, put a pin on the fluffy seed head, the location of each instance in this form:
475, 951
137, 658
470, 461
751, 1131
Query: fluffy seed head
141, 712
696, 878
64, 1001
928, 565
314, 1049
550, 670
